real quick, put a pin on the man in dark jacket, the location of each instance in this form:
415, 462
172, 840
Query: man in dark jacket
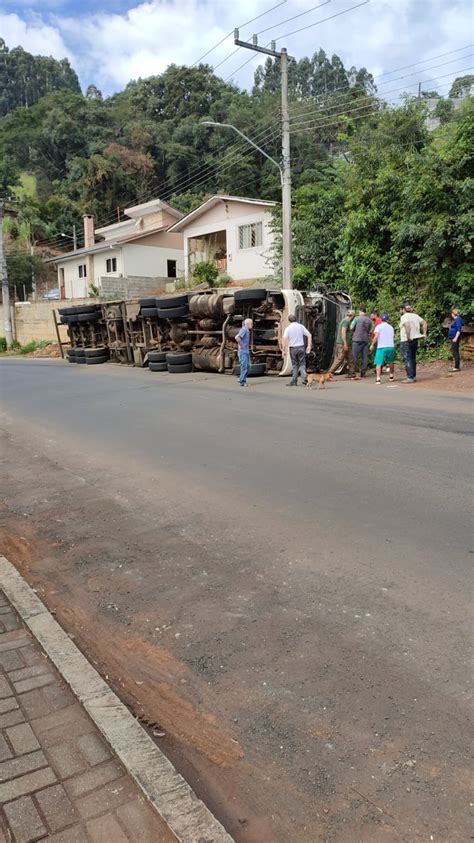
361, 328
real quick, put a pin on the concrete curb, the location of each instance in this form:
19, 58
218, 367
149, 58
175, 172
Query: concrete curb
186, 815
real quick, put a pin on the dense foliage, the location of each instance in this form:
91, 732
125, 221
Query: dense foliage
382, 203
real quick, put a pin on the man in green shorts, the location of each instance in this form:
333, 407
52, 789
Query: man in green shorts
384, 338
344, 346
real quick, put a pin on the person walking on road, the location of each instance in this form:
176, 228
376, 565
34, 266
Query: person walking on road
412, 329
243, 343
454, 335
384, 339
344, 346
361, 328
294, 338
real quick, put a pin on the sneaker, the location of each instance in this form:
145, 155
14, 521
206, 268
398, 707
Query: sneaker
454, 370
408, 380
362, 374
378, 381
291, 384
391, 378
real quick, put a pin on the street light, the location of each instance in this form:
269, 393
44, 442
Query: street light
286, 239
73, 238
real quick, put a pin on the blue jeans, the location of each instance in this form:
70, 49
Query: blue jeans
408, 351
244, 360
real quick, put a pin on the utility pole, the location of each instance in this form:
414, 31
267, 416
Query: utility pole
285, 151
33, 278
74, 238
7, 322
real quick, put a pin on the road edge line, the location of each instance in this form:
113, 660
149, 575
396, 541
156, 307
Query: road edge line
167, 791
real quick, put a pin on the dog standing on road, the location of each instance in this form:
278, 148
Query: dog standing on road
321, 379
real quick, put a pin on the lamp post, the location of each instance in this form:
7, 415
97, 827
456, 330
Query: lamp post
286, 203
73, 238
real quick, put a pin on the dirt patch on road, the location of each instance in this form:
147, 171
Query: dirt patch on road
437, 376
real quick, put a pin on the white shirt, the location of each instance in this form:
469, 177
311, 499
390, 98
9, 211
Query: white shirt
385, 335
415, 326
295, 334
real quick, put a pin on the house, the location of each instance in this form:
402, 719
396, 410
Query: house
234, 232
127, 258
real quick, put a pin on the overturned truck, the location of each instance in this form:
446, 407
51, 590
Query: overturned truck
195, 331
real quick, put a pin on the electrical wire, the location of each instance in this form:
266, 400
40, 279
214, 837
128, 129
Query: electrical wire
300, 122
241, 26
294, 17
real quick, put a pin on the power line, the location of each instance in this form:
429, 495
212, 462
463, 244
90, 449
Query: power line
262, 15
294, 17
422, 61
298, 120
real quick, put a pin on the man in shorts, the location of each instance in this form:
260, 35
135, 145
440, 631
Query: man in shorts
384, 339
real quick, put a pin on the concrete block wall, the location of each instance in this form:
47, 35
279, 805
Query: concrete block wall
131, 286
34, 320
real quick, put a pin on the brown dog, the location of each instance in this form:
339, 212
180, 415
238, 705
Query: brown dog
321, 379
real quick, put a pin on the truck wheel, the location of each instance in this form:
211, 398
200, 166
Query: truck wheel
178, 369
87, 317
157, 357
158, 367
147, 302
251, 294
95, 361
173, 312
71, 355
178, 358
256, 370
102, 351
172, 301
149, 312
84, 308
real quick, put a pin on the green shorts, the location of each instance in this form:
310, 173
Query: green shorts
384, 356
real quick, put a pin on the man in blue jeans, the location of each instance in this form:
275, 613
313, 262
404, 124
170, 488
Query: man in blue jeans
412, 329
243, 342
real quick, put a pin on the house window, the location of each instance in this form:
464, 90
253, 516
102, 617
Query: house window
171, 269
82, 270
250, 235
111, 264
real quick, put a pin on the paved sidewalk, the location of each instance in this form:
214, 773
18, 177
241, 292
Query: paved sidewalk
59, 781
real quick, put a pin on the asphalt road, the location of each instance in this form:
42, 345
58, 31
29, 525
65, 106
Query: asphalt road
281, 579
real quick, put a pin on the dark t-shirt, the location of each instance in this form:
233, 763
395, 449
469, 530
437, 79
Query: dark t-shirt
362, 327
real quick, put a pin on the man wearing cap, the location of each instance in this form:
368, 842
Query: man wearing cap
344, 346
299, 340
384, 339
412, 328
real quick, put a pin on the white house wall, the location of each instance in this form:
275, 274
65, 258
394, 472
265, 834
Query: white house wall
242, 264
151, 261
100, 262
75, 287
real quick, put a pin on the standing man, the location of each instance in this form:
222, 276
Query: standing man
243, 343
361, 328
344, 346
294, 338
376, 320
384, 338
454, 335
412, 328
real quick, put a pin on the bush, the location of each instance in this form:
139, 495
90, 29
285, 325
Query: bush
3, 344
205, 273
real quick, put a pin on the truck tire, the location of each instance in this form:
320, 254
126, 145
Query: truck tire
251, 294
158, 367
176, 358
87, 317
180, 369
71, 355
85, 308
149, 312
157, 357
172, 301
95, 361
102, 351
150, 302
264, 334
173, 312
64, 320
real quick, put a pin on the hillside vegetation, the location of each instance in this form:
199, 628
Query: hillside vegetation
382, 205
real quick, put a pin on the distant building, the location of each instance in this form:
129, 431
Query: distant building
232, 231
132, 257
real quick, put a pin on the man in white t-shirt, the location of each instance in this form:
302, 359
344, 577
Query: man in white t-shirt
412, 328
384, 338
294, 338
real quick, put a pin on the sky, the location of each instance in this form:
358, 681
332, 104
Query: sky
111, 43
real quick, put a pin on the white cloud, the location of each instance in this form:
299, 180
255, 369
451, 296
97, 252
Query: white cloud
35, 36
109, 49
